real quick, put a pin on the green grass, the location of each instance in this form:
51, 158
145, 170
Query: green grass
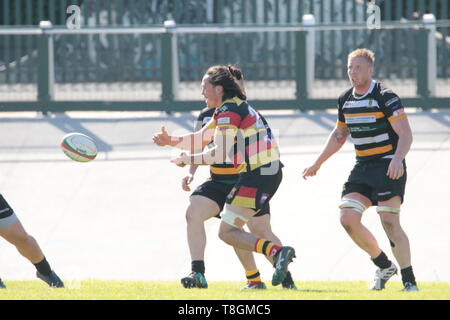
172, 290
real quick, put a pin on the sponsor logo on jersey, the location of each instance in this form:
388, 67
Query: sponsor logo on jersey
225, 120
391, 101
232, 192
363, 119
263, 198
362, 129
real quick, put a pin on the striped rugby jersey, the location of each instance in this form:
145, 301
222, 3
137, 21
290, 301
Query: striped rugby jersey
369, 118
225, 172
254, 143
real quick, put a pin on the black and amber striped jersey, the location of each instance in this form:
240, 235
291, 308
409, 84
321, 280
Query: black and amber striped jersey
368, 119
254, 145
225, 172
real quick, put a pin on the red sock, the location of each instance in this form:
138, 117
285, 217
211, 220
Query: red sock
266, 247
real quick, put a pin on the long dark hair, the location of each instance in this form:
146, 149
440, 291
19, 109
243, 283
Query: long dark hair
226, 77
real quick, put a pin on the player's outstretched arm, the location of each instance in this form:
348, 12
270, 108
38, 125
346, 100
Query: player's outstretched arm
191, 141
223, 141
335, 141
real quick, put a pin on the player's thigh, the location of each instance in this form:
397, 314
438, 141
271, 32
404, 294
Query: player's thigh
260, 225
14, 233
201, 207
10, 227
390, 219
349, 216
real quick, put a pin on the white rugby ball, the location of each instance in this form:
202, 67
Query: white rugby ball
79, 147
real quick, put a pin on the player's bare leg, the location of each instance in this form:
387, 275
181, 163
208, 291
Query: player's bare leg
260, 226
231, 232
25, 243
29, 248
351, 221
199, 210
399, 242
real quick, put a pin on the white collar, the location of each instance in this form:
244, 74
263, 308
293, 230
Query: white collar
372, 85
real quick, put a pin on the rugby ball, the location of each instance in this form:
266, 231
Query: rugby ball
79, 147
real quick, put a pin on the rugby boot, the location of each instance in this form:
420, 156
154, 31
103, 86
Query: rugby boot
52, 280
195, 280
254, 285
288, 282
410, 287
382, 276
281, 261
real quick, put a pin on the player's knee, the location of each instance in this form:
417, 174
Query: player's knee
224, 233
388, 224
348, 221
192, 214
189, 215
393, 229
21, 239
390, 221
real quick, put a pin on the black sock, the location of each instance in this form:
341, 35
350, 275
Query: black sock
382, 261
198, 266
43, 267
408, 275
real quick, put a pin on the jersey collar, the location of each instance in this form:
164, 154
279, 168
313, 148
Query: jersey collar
372, 85
235, 100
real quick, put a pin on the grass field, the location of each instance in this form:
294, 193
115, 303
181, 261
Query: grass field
172, 290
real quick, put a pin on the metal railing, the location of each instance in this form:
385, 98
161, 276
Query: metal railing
166, 76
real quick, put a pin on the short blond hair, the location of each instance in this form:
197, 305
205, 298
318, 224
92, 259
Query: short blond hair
365, 53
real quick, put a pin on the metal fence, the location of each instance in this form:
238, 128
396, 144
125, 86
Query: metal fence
275, 49
157, 68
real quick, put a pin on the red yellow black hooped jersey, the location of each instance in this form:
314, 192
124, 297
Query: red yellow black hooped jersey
225, 172
254, 144
369, 118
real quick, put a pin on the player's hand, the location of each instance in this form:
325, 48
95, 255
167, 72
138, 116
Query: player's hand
186, 181
162, 138
395, 170
310, 171
181, 160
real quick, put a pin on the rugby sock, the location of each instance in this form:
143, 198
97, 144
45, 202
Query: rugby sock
408, 275
266, 247
198, 266
382, 261
43, 267
253, 275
